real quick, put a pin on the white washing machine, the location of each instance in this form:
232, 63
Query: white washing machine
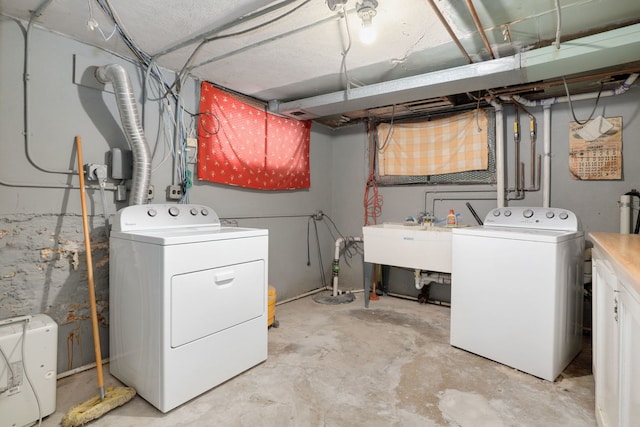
187, 301
517, 289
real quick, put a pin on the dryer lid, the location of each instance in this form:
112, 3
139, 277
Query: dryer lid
180, 236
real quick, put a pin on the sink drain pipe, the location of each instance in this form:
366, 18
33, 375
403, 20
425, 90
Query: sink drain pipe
335, 268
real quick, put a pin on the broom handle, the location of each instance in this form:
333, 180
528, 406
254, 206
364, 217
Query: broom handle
92, 290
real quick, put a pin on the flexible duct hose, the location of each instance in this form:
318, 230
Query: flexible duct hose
125, 98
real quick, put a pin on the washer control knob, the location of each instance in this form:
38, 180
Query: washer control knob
204, 212
563, 215
496, 213
527, 213
152, 213
194, 211
550, 214
173, 211
507, 213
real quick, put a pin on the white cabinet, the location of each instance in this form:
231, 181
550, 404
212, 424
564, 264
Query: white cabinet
606, 342
616, 341
629, 322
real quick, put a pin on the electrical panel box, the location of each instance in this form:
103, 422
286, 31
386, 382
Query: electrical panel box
29, 347
121, 163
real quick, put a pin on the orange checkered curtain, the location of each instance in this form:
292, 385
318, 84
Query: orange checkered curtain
241, 145
447, 145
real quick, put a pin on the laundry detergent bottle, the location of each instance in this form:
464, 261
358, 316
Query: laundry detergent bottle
452, 221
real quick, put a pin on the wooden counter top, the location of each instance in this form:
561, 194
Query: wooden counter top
623, 251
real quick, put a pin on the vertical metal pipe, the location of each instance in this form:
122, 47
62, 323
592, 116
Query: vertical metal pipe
516, 150
500, 181
625, 214
532, 133
546, 187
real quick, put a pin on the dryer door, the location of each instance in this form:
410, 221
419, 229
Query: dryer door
208, 301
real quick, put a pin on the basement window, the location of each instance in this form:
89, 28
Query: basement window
452, 149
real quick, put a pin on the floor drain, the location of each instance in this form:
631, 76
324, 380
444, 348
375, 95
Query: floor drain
330, 299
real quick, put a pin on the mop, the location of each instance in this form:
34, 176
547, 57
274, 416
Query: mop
112, 397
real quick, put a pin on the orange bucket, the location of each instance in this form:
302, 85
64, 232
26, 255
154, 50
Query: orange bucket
271, 313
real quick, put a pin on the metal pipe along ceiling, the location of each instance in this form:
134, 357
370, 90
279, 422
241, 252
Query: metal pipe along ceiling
476, 19
447, 27
611, 48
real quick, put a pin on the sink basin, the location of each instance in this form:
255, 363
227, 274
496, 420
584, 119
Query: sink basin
408, 246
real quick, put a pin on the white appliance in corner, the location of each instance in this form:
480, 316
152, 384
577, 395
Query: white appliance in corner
187, 301
29, 345
517, 289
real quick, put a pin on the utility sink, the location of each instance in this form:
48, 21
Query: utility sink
410, 246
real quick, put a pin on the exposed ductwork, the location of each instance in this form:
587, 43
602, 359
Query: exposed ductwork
609, 49
125, 98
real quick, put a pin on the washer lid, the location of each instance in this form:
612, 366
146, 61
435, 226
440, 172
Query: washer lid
178, 236
518, 233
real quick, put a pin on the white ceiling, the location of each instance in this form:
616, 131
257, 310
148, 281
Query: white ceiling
300, 56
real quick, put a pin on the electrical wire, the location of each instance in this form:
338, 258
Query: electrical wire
25, 368
566, 88
351, 247
202, 123
105, 209
144, 58
388, 137
93, 24
558, 24
372, 202
324, 279
186, 67
13, 374
177, 148
183, 176
477, 114
322, 275
345, 52
26, 371
168, 146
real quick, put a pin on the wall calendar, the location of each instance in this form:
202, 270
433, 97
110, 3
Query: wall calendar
595, 149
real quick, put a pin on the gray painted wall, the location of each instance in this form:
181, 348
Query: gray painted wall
595, 202
41, 244
42, 253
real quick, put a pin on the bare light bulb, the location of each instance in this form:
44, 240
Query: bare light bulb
366, 11
367, 32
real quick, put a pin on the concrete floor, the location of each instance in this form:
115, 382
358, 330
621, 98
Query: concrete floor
343, 365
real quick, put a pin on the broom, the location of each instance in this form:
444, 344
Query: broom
112, 397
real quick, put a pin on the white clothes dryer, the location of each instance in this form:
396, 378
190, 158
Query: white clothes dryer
517, 289
187, 301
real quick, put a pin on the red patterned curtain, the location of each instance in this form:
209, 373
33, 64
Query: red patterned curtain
239, 144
